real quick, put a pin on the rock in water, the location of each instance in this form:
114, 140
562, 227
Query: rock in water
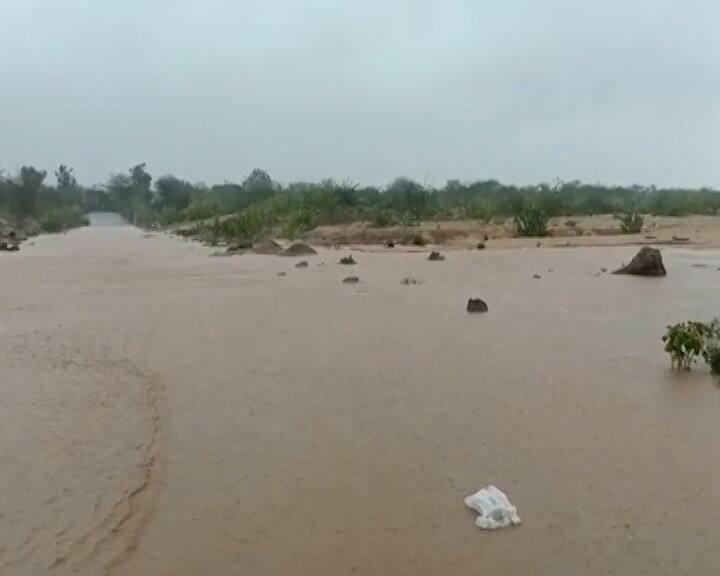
302, 264
266, 247
480, 246
647, 262
351, 280
298, 249
476, 305
436, 256
347, 260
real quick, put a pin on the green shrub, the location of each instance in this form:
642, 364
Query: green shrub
298, 223
631, 223
684, 341
200, 209
383, 218
480, 210
251, 224
712, 346
532, 221
61, 219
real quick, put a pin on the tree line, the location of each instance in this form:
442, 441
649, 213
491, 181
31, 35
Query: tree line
298, 206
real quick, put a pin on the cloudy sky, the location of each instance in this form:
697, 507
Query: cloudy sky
615, 91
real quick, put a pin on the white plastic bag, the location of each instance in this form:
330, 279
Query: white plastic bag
493, 508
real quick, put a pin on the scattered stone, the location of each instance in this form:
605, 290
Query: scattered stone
298, 249
680, 239
302, 264
348, 260
537, 276
476, 305
436, 256
351, 280
647, 262
409, 281
266, 247
389, 244
481, 246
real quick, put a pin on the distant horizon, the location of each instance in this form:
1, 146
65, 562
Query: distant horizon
7, 172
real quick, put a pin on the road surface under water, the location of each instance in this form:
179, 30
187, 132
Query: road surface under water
164, 412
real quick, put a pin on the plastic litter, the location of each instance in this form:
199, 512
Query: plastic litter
493, 508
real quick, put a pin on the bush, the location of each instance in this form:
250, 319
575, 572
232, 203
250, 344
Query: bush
251, 224
200, 209
631, 223
684, 341
480, 210
61, 219
298, 223
712, 346
532, 221
383, 218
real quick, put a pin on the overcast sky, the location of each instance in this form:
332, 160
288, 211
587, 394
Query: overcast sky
615, 91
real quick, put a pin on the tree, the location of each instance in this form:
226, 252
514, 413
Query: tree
65, 180
173, 192
258, 185
24, 191
140, 181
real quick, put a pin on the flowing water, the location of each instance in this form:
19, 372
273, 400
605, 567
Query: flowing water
163, 412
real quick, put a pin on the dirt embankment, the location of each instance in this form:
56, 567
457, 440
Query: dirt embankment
601, 230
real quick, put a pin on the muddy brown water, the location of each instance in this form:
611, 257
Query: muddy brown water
167, 413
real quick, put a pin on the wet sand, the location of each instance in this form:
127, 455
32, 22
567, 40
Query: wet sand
163, 412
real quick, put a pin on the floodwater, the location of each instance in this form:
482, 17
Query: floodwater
163, 412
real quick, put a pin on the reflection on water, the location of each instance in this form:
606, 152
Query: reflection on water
106, 219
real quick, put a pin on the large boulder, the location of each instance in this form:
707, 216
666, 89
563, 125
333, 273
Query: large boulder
266, 247
298, 249
647, 262
477, 305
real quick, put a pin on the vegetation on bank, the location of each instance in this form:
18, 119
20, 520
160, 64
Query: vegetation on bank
30, 204
259, 206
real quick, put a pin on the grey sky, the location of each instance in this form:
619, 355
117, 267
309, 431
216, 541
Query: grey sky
618, 91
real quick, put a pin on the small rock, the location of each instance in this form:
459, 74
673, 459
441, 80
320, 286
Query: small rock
537, 276
486, 237
538, 243
281, 273
436, 256
476, 305
409, 281
603, 269
699, 265
351, 280
347, 260
680, 239
389, 244
481, 246
302, 264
